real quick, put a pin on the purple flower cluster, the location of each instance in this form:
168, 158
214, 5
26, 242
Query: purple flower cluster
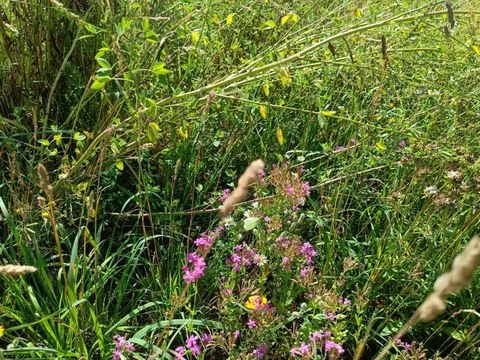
243, 255
225, 195
308, 252
406, 346
297, 191
196, 271
306, 272
323, 340
344, 301
302, 350
121, 345
260, 352
204, 242
197, 262
195, 344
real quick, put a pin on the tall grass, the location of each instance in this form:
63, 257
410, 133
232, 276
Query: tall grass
143, 112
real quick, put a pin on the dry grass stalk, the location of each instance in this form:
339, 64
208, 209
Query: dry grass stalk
44, 180
16, 270
452, 282
241, 191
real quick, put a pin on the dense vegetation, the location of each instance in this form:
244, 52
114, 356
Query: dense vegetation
124, 125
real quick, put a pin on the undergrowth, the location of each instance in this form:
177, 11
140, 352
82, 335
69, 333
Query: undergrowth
124, 125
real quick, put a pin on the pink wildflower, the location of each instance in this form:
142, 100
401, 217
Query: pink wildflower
304, 272
192, 344
332, 346
204, 242
198, 268
206, 339
180, 352
260, 352
331, 316
316, 337
251, 324
308, 252
225, 195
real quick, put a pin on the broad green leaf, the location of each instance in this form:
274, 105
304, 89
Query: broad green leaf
79, 137
151, 36
103, 63
159, 69
100, 82
152, 132
44, 142
269, 24
290, 18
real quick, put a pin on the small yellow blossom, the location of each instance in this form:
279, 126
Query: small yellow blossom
2, 330
255, 301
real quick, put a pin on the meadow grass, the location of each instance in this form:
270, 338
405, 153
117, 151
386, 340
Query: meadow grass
125, 124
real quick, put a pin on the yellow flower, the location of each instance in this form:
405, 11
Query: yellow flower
255, 301
2, 330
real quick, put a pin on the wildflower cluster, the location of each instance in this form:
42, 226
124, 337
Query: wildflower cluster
293, 250
321, 340
243, 255
194, 345
259, 297
289, 183
196, 260
122, 346
403, 344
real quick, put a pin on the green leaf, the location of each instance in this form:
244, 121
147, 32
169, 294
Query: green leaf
79, 137
159, 69
44, 142
103, 63
269, 24
195, 37
100, 82
151, 36
290, 18
90, 28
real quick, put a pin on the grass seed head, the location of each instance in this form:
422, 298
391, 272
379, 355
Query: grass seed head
16, 270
